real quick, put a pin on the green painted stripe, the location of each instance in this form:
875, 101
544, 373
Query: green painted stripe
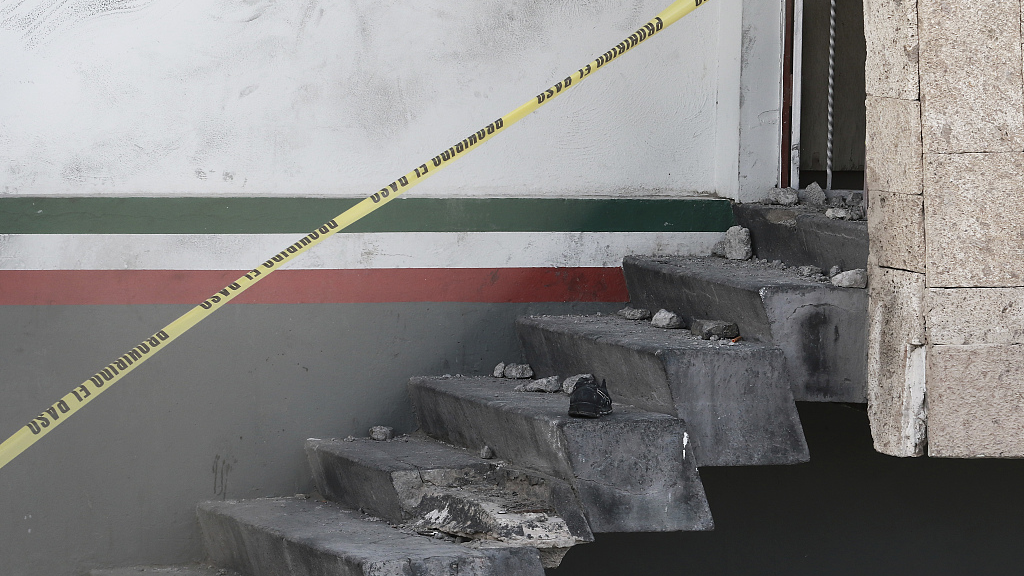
45, 215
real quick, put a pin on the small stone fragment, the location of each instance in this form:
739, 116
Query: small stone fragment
666, 319
572, 382
735, 245
778, 264
714, 329
839, 214
851, 279
499, 370
833, 271
549, 384
814, 195
382, 433
487, 453
855, 199
783, 196
350, 438
809, 271
518, 371
630, 313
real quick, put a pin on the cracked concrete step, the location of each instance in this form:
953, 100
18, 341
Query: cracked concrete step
734, 397
193, 570
431, 486
299, 537
822, 329
633, 470
803, 236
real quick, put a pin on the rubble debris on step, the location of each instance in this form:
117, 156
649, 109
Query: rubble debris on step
851, 279
630, 313
666, 319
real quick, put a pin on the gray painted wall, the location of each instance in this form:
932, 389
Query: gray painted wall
222, 413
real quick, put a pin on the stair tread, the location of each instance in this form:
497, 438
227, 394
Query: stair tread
429, 485
600, 458
734, 397
821, 328
285, 536
742, 274
402, 453
800, 236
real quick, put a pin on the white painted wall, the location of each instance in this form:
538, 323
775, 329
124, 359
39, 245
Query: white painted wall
337, 97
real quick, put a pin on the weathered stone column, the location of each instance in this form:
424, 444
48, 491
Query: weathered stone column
896, 264
945, 172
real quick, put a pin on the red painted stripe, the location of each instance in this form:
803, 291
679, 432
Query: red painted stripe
80, 287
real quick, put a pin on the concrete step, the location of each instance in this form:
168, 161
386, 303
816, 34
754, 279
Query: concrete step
734, 397
426, 485
802, 236
299, 537
821, 329
192, 570
632, 470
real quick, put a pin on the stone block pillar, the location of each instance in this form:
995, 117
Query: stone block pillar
945, 176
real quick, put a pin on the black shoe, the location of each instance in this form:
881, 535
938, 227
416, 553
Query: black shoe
590, 399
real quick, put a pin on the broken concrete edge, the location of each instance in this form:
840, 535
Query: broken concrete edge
182, 570
897, 357
394, 481
271, 536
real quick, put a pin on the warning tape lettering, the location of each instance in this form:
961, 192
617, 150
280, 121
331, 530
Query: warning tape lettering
87, 391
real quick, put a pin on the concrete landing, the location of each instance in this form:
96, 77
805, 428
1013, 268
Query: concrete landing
801, 236
632, 470
431, 486
734, 397
194, 570
298, 537
821, 329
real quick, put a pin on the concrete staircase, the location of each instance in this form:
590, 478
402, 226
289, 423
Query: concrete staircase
503, 482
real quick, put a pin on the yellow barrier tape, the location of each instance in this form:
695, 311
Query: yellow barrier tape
87, 391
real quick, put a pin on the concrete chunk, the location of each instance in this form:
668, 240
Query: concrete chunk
851, 279
734, 398
706, 329
666, 319
632, 470
549, 384
735, 245
630, 313
821, 329
290, 537
518, 371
